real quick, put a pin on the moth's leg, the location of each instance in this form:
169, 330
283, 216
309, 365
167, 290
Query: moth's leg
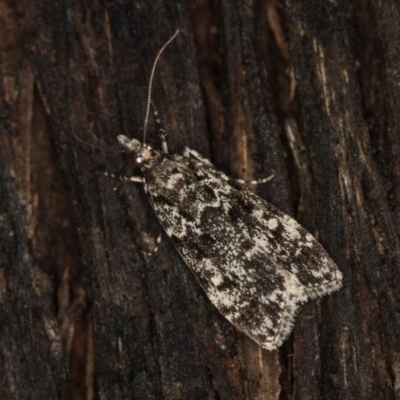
138, 179
156, 247
254, 182
193, 153
161, 131
155, 244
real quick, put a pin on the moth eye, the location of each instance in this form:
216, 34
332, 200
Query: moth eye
138, 161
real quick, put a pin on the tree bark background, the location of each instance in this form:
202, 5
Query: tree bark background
307, 90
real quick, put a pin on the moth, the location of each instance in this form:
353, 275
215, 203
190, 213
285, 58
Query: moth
255, 263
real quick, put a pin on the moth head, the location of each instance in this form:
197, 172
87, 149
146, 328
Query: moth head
142, 153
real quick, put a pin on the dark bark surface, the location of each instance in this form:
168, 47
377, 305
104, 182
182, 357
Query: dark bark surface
307, 90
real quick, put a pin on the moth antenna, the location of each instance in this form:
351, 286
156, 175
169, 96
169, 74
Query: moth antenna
97, 147
146, 118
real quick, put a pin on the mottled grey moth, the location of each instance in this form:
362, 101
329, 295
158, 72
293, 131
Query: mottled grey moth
255, 263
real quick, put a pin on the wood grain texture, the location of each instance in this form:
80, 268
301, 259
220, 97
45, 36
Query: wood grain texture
304, 89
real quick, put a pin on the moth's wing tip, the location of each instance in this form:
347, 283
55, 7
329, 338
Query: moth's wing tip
285, 328
326, 287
